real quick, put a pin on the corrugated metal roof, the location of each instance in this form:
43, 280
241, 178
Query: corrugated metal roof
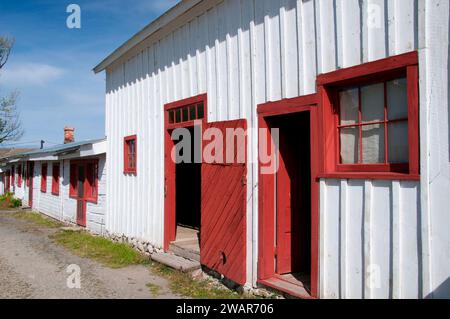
8, 152
56, 149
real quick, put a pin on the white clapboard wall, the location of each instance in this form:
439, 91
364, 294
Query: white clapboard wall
245, 52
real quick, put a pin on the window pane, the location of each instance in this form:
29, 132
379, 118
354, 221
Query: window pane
131, 147
397, 100
185, 114
178, 116
349, 145
349, 106
171, 117
373, 144
372, 102
192, 112
398, 142
200, 111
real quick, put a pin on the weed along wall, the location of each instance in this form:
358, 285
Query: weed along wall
355, 82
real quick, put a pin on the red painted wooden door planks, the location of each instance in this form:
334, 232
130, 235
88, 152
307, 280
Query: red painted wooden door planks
81, 196
223, 210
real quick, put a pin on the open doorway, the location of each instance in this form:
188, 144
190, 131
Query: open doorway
182, 189
188, 199
293, 199
288, 211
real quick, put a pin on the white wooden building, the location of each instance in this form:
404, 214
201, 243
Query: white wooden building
377, 204
66, 182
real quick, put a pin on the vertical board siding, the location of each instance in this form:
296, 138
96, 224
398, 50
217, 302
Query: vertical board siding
243, 53
62, 207
371, 236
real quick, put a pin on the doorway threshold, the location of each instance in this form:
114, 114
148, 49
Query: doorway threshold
186, 244
287, 286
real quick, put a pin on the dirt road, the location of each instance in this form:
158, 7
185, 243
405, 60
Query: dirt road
32, 266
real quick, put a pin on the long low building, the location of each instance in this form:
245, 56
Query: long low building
66, 182
359, 92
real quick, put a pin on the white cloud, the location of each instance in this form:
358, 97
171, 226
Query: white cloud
29, 74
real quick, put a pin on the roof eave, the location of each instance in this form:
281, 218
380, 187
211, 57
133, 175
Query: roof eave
146, 32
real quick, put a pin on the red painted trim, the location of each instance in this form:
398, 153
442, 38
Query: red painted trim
91, 192
413, 122
381, 168
368, 69
126, 166
370, 176
379, 71
266, 228
186, 102
169, 165
44, 168
287, 106
55, 179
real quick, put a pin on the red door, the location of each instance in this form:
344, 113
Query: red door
223, 210
293, 195
81, 198
288, 196
30, 183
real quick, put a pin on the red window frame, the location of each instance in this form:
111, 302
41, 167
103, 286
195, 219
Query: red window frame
130, 160
44, 168
90, 182
186, 112
55, 179
19, 175
405, 65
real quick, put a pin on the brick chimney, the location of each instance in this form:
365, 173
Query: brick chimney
68, 135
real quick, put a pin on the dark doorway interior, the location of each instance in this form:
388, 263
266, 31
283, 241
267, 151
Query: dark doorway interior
188, 191
188, 201
293, 198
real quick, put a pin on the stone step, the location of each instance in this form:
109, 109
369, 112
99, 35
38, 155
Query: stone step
176, 262
184, 251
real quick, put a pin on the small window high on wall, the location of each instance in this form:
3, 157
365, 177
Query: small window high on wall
130, 154
370, 119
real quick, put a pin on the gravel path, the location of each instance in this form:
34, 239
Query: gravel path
32, 266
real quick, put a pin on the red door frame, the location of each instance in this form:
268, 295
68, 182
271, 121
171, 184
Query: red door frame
87, 197
266, 258
169, 165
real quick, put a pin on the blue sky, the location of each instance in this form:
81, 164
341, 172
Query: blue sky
51, 65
